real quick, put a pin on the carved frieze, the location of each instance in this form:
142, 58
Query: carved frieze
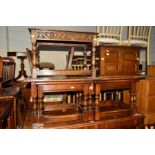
64, 36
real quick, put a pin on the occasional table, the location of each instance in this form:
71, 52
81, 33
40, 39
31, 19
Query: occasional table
21, 56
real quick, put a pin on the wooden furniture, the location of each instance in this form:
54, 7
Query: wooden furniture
21, 56
109, 34
151, 70
7, 89
140, 36
118, 60
40, 86
7, 71
7, 114
88, 111
41, 65
71, 39
146, 98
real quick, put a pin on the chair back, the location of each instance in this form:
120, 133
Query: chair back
139, 33
78, 63
109, 34
7, 71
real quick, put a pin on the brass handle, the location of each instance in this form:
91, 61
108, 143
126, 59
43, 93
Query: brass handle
107, 52
91, 87
72, 87
102, 59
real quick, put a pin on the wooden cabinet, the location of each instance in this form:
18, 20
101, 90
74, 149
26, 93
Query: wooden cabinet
146, 98
118, 60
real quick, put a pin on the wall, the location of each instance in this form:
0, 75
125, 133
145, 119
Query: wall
18, 38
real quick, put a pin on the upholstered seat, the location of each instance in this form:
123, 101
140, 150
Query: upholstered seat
135, 42
48, 65
41, 65
108, 40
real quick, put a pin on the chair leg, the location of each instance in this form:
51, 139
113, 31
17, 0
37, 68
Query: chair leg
148, 55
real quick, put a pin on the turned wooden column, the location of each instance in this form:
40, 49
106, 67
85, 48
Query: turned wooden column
40, 100
93, 56
133, 99
34, 97
34, 54
97, 97
85, 92
85, 58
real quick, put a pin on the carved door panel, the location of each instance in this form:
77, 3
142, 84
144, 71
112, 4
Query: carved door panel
109, 61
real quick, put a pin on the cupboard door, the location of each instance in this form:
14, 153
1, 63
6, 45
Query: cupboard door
130, 61
109, 61
119, 60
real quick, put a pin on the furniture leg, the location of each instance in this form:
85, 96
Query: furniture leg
34, 97
40, 100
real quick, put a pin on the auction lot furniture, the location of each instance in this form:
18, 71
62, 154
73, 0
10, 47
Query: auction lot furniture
90, 100
70, 39
118, 60
88, 110
146, 98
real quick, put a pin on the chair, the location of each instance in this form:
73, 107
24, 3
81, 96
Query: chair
8, 89
78, 63
139, 36
41, 65
109, 34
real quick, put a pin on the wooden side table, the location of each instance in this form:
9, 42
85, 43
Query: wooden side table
21, 56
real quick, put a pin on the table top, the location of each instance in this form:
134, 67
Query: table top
82, 78
67, 31
60, 35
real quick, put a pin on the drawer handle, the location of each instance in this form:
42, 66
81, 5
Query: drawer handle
91, 87
72, 87
102, 59
107, 51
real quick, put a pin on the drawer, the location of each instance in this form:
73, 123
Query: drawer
116, 85
63, 87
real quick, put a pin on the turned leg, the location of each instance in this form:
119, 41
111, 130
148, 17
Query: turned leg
34, 56
97, 96
15, 112
34, 97
133, 94
93, 56
9, 122
85, 101
85, 58
40, 100
97, 101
